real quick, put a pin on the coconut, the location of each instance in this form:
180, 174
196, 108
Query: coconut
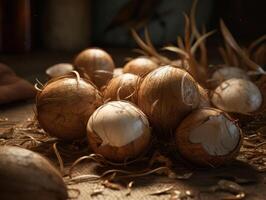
122, 87
166, 96
97, 64
238, 96
27, 175
208, 137
119, 131
140, 66
64, 106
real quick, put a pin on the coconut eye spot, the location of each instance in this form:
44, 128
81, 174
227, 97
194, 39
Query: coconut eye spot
218, 136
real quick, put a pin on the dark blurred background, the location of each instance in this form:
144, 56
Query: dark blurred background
72, 25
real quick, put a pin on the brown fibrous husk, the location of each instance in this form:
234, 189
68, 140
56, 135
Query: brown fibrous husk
122, 87
64, 106
140, 66
166, 96
28, 175
195, 152
95, 64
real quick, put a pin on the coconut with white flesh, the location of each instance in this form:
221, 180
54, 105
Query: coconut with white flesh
119, 131
226, 73
59, 70
208, 137
237, 96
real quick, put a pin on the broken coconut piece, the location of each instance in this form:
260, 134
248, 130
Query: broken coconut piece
208, 137
59, 70
238, 96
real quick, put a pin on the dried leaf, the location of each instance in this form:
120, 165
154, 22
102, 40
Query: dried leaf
254, 44
176, 50
229, 186
183, 176
129, 188
162, 191
181, 195
235, 197
231, 41
238, 179
149, 49
96, 192
112, 186
200, 40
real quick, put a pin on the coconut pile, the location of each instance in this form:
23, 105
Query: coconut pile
191, 111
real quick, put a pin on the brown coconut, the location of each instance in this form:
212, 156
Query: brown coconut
208, 137
27, 175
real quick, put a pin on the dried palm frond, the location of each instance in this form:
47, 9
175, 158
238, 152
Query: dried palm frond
230, 41
185, 49
147, 48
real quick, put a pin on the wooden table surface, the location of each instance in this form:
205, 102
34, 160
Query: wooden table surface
33, 65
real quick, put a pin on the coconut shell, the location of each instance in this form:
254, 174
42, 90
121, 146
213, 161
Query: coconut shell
65, 105
237, 96
195, 152
166, 96
140, 66
27, 175
97, 64
119, 131
204, 97
120, 154
122, 87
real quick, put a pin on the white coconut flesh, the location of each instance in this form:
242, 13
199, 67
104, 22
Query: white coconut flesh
237, 95
59, 69
218, 135
226, 73
118, 123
